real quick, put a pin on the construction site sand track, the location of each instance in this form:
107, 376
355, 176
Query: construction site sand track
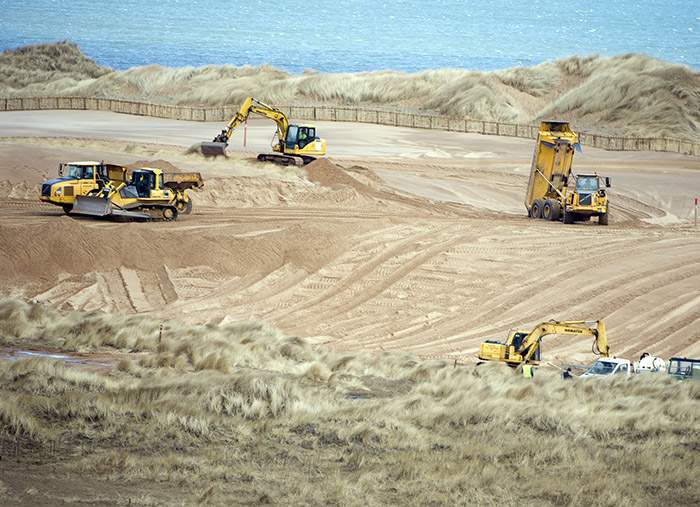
424, 254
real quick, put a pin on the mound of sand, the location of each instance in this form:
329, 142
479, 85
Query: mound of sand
631, 94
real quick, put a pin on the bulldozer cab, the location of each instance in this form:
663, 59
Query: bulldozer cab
143, 182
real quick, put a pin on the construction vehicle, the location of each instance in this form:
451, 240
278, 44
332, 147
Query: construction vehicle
291, 144
79, 178
554, 192
608, 367
684, 368
523, 347
83, 188
147, 195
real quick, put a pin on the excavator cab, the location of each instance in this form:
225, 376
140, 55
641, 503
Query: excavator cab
298, 136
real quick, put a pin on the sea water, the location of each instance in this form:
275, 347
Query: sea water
356, 35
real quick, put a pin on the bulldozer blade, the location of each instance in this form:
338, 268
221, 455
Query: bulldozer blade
213, 149
91, 206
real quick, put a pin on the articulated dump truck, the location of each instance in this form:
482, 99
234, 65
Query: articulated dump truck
554, 192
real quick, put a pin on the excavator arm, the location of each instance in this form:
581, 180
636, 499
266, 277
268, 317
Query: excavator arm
251, 105
531, 342
521, 350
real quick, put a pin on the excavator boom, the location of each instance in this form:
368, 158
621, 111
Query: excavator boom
250, 105
523, 347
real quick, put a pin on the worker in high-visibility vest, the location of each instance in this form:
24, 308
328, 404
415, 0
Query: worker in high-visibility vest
528, 371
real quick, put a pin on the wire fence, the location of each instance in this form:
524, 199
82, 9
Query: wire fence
347, 114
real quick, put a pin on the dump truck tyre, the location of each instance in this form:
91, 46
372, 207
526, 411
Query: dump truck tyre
603, 219
568, 217
67, 208
556, 211
550, 211
536, 209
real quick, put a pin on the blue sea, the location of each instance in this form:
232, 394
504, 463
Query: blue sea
357, 35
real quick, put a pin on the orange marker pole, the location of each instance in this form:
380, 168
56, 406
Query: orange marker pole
245, 133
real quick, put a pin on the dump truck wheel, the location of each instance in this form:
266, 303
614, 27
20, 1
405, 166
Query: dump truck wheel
551, 210
603, 219
169, 213
568, 217
556, 211
67, 208
536, 209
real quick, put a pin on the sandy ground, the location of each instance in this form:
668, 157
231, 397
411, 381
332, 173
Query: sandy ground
407, 239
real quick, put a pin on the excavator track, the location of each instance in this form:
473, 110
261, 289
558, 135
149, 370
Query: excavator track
286, 160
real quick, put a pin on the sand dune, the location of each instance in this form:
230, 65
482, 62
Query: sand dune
631, 94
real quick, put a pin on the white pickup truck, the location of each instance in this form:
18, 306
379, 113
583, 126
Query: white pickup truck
608, 366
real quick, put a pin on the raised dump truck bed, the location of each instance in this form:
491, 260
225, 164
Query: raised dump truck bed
554, 192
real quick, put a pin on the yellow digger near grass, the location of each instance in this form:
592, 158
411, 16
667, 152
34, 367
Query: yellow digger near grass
523, 347
292, 144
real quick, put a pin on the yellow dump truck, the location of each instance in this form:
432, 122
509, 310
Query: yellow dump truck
101, 189
554, 192
79, 178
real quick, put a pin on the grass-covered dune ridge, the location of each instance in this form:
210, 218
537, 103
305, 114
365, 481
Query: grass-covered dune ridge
630, 94
242, 414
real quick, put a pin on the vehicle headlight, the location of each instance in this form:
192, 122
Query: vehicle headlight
59, 191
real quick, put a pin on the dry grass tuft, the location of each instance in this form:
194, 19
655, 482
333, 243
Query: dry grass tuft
632, 94
241, 412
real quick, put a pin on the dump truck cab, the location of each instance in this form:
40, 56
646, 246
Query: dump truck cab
587, 197
79, 179
554, 192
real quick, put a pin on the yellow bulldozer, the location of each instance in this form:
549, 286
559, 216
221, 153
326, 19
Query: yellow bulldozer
291, 144
523, 347
554, 192
110, 190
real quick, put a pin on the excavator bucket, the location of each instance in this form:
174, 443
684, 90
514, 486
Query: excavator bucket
213, 149
92, 206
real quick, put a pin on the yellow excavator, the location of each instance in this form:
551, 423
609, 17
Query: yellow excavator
523, 347
291, 144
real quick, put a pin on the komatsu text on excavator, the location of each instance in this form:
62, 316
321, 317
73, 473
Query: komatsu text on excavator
523, 347
292, 144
